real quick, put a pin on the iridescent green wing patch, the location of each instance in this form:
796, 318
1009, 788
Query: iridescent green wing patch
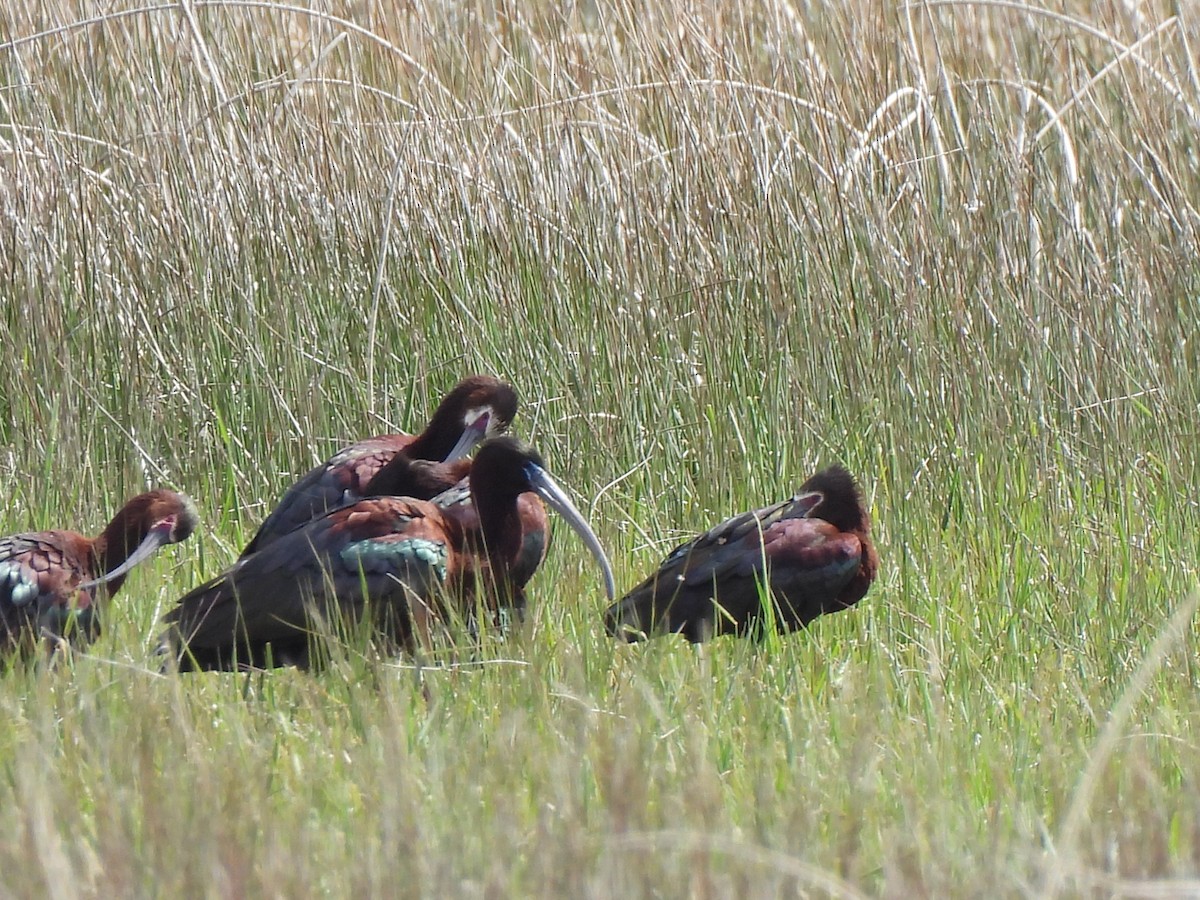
382, 557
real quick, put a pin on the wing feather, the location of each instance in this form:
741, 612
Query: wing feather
339, 480
39, 572
382, 548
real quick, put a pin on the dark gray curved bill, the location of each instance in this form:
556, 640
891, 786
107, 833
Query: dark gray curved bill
160, 534
472, 435
548, 489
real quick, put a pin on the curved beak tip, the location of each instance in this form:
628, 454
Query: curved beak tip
549, 490
610, 586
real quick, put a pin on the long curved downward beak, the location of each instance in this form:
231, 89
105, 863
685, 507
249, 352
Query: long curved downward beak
160, 534
472, 435
548, 489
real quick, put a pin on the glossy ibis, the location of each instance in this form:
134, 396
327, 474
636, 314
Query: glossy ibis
478, 407
392, 563
815, 548
52, 581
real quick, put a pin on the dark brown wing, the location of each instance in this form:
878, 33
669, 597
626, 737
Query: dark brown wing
339, 480
810, 563
806, 560
395, 553
40, 574
421, 479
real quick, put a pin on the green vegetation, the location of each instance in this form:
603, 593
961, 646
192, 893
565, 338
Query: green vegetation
714, 245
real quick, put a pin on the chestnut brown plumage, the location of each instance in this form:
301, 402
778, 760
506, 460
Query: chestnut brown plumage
524, 542
813, 553
51, 582
478, 407
389, 562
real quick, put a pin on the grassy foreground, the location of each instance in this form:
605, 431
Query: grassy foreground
714, 245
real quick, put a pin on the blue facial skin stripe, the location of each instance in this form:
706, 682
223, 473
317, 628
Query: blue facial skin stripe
384, 556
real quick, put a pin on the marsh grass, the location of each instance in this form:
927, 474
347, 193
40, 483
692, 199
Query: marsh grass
714, 245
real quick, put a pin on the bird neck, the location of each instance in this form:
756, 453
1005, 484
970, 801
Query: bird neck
501, 526
436, 441
120, 538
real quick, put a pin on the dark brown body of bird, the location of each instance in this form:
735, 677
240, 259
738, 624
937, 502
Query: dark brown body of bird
51, 582
478, 407
813, 553
392, 563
